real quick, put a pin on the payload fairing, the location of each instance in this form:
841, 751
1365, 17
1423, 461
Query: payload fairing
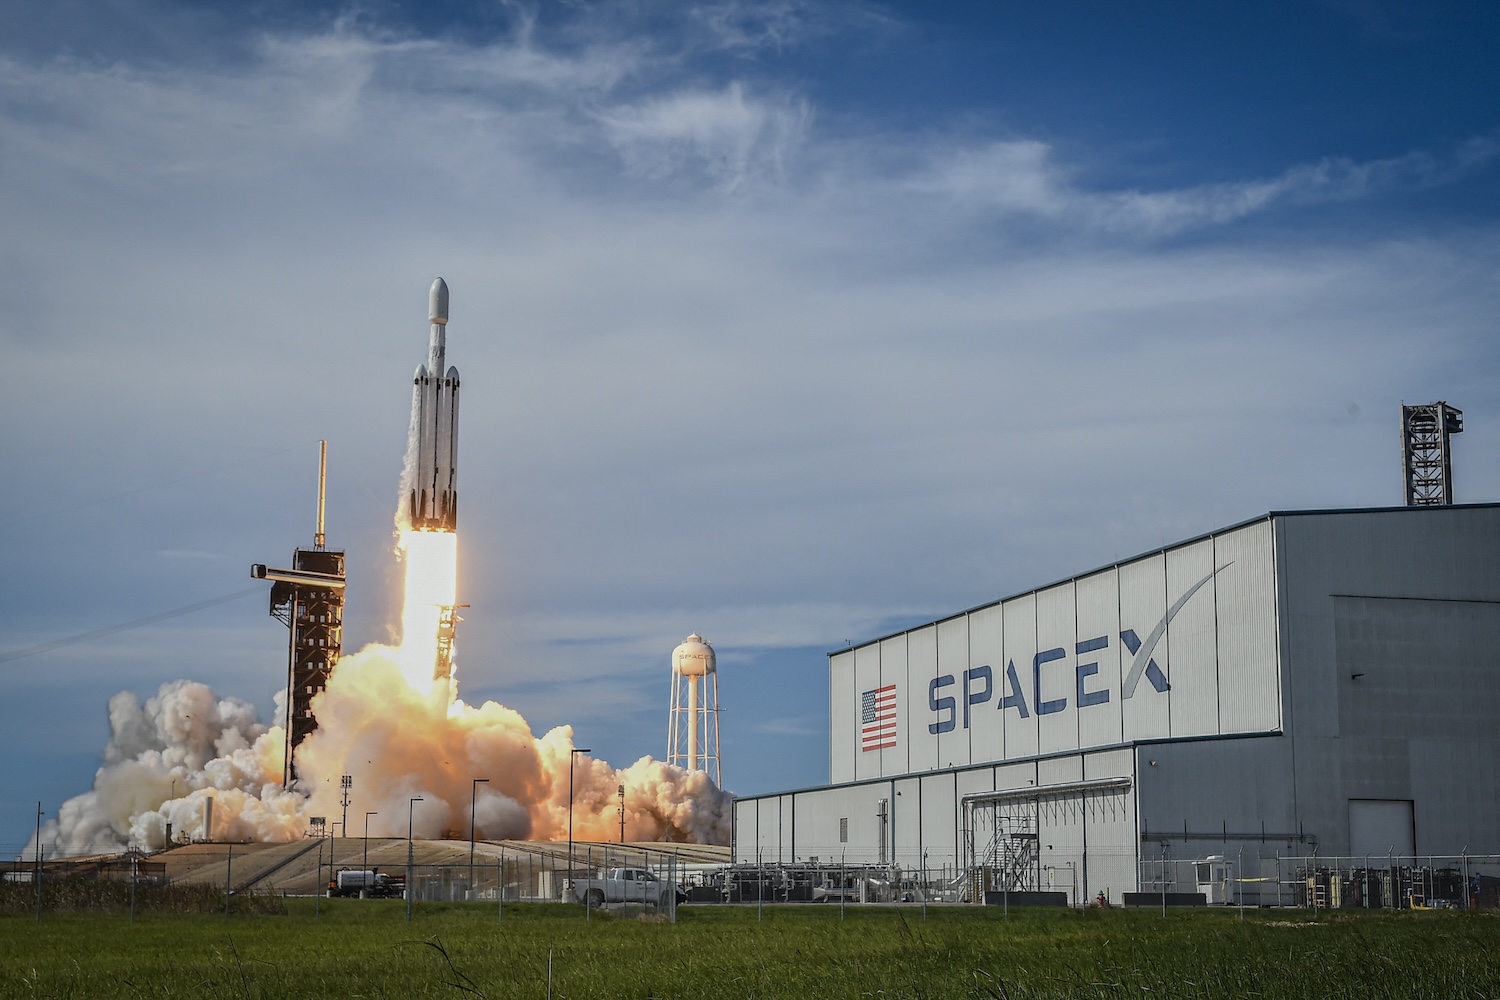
433, 503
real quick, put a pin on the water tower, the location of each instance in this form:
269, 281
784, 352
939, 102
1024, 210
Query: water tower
693, 740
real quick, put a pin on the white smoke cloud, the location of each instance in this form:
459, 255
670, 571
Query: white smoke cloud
398, 743
165, 758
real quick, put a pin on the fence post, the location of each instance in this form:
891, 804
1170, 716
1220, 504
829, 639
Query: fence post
1239, 884
228, 880
1164, 879
37, 873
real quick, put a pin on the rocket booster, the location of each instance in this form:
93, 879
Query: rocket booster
433, 503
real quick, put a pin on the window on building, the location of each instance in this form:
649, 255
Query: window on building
843, 829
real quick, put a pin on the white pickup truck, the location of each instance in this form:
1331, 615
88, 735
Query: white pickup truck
622, 885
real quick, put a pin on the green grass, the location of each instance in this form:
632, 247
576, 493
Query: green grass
365, 948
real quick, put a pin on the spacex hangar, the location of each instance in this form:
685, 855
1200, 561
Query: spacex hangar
1306, 684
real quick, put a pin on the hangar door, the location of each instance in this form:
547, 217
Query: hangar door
1030, 839
1380, 826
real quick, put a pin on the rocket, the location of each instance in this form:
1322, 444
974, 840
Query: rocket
433, 503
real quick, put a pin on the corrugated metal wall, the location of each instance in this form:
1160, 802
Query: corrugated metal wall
1176, 644
1081, 837
1393, 669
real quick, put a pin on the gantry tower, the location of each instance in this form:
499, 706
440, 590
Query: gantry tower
309, 600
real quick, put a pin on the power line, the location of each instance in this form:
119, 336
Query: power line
99, 633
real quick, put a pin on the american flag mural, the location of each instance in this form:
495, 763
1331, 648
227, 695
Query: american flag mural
877, 718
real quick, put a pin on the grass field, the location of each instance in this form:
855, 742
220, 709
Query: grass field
365, 948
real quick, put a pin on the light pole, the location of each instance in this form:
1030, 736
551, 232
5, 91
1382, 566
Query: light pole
473, 800
410, 857
571, 757
366, 861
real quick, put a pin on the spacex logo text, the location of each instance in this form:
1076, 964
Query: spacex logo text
979, 682
979, 685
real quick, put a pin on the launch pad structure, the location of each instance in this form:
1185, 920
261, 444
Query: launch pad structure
309, 600
309, 597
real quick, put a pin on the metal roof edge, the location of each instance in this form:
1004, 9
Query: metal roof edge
1268, 516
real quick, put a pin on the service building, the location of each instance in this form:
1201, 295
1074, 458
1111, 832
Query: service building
1306, 683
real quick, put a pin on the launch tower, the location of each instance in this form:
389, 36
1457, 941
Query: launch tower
309, 600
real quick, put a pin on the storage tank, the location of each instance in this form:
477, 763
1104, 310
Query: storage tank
693, 735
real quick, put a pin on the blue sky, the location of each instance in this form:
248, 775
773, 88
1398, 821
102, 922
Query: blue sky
785, 323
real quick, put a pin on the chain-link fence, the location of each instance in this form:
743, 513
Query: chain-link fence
1388, 881
620, 879
596, 876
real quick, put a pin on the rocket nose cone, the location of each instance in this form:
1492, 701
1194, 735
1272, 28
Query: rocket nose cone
437, 302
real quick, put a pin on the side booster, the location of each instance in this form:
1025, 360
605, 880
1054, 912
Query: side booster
434, 412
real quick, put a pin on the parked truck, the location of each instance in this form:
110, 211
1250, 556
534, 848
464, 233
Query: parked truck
373, 884
623, 885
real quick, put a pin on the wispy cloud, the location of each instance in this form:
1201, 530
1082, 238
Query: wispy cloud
1022, 178
748, 27
726, 134
803, 725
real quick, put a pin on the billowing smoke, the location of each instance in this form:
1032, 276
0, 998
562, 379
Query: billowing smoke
187, 744
398, 742
163, 760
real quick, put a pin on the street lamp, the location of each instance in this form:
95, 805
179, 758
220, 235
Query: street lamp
571, 757
410, 857
473, 799
366, 861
